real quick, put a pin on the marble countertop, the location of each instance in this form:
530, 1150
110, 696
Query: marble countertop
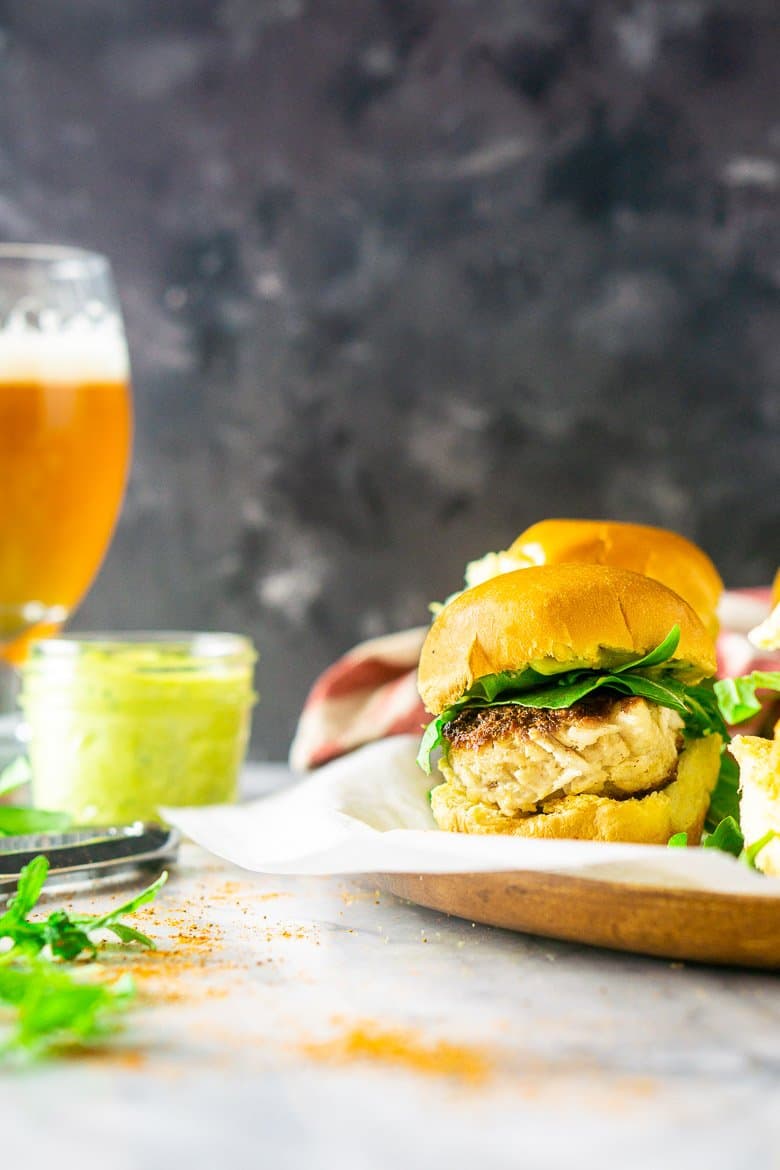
319, 1022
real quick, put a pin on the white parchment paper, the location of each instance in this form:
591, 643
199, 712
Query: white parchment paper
368, 813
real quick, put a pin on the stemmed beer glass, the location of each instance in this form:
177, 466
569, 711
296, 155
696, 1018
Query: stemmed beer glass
65, 436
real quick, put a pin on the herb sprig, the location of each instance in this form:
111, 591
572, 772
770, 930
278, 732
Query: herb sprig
51, 1006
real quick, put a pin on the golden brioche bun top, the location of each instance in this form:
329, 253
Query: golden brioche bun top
553, 618
665, 556
776, 589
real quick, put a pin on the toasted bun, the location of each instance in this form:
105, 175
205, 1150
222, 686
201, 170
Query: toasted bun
666, 557
552, 618
652, 819
759, 787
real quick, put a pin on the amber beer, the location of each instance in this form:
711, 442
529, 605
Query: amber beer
65, 436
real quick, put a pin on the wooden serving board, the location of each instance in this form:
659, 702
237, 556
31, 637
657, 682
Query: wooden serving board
732, 929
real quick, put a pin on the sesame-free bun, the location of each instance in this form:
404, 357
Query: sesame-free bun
680, 807
665, 556
554, 618
759, 794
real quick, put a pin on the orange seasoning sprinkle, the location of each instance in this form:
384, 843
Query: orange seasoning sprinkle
367, 1041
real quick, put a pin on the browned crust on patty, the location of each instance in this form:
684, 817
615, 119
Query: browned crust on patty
477, 726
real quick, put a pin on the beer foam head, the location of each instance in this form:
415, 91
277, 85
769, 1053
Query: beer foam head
75, 354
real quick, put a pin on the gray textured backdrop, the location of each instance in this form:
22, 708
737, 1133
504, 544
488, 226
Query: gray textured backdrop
401, 277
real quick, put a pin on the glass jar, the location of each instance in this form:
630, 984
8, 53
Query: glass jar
122, 724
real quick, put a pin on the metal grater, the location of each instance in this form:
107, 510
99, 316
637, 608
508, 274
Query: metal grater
85, 857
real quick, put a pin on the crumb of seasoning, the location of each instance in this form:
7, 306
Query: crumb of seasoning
369, 1041
165, 971
350, 896
124, 1058
130, 1059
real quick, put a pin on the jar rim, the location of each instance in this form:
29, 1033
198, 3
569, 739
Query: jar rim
212, 646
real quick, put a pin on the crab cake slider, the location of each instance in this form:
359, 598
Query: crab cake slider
571, 701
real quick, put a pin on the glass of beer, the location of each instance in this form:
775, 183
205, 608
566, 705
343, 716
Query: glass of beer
65, 437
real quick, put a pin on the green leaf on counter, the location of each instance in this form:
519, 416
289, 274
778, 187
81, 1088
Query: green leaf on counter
52, 1007
110, 921
28, 891
16, 821
128, 934
66, 935
678, 841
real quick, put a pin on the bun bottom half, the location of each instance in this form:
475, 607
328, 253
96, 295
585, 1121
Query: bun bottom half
652, 819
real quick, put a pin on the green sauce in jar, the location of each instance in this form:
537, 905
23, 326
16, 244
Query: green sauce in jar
120, 726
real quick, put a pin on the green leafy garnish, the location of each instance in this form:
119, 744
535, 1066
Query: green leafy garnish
16, 820
737, 696
68, 936
662, 653
727, 837
529, 688
724, 801
51, 1006
752, 851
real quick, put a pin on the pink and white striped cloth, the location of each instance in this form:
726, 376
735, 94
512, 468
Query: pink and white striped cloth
371, 692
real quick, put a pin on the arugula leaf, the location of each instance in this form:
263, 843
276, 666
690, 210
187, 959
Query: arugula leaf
66, 936
128, 934
662, 653
724, 801
491, 685
431, 739
727, 837
110, 920
51, 1006
65, 939
28, 889
15, 821
704, 715
752, 851
737, 696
